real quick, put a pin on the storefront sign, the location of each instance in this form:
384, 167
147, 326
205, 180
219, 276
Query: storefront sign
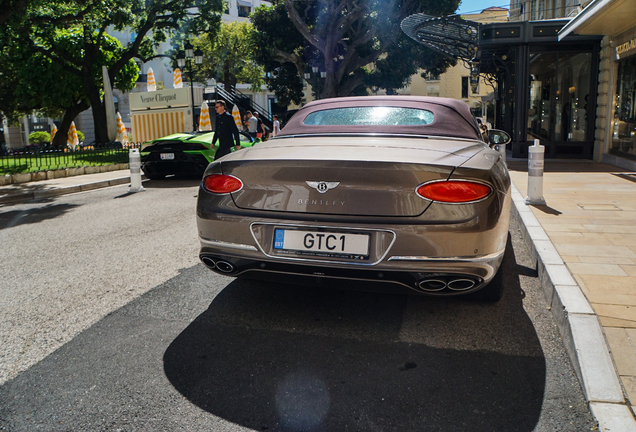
170, 98
626, 49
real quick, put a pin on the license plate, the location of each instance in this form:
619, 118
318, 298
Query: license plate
322, 243
167, 156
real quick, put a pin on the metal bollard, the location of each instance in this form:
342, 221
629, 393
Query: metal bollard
535, 174
135, 171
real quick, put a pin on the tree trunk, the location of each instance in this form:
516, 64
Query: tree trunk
61, 136
99, 112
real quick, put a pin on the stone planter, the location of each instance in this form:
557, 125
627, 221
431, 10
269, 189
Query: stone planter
37, 176
21, 178
91, 170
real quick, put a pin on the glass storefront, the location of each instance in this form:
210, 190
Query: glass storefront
559, 97
623, 142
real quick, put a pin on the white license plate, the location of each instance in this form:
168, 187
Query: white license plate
167, 156
322, 243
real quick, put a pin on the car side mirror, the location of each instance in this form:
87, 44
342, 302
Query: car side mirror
498, 137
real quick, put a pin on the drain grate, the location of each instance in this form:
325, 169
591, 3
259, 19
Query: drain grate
601, 207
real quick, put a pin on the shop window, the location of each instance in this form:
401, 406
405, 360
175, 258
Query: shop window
465, 87
624, 122
559, 95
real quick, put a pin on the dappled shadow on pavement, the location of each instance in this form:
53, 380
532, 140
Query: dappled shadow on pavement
13, 218
294, 358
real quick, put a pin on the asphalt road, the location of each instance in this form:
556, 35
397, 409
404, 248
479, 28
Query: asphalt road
108, 322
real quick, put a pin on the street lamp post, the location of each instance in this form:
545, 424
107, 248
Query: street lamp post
185, 60
318, 76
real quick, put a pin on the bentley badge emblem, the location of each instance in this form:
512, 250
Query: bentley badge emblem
322, 186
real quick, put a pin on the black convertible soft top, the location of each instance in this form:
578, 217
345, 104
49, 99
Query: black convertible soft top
452, 118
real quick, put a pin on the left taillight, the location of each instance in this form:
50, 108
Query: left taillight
221, 184
454, 191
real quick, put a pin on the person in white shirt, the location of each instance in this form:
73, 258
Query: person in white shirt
276, 126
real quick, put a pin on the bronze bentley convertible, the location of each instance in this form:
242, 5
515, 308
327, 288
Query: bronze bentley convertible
399, 192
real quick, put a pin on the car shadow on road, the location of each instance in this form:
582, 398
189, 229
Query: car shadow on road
294, 358
172, 182
34, 215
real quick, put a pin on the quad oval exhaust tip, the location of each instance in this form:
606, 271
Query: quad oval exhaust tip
432, 284
208, 262
225, 267
461, 284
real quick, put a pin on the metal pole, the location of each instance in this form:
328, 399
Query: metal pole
194, 125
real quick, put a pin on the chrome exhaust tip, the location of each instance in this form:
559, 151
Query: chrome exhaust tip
225, 267
208, 262
461, 284
432, 285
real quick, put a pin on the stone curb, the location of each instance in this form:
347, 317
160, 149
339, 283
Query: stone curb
579, 326
9, 179
30, 196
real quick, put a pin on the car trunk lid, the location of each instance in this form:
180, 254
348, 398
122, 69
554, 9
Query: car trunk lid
342, 180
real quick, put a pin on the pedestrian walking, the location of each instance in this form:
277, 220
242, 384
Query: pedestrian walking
276, 125
252, 123
261, 127
225, 131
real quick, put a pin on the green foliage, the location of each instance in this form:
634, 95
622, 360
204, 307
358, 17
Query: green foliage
39, 137
45, 84
52, 52
229, 56
359, 45
80, 136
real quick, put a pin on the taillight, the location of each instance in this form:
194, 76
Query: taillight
221, 184
456, 191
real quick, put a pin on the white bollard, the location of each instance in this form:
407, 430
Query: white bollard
535, 174
135, 171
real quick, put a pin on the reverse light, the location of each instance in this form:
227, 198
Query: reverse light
221, 184
454, 191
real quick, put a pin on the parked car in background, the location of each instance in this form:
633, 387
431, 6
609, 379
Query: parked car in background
182, 154
398, 192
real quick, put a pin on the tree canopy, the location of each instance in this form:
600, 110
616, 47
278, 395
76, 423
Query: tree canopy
359, 44
228, 56
69, 39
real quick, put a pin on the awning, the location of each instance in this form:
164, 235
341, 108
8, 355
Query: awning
595, 18
244, 3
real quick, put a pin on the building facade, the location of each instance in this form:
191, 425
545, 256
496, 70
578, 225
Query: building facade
615, 138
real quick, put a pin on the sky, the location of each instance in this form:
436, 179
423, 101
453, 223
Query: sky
467, 6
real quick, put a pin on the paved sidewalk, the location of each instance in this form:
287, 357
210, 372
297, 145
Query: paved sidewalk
585, 242
24, 192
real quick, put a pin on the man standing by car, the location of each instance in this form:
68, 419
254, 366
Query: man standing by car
225, 130
252, 124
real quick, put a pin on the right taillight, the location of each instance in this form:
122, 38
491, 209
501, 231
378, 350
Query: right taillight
221, 184
454, 191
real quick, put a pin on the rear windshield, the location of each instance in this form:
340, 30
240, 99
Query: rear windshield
379, 115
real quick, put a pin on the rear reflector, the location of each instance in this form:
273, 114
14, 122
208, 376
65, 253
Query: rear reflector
460, 191
221, 184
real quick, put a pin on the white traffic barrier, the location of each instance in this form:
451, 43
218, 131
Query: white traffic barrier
135, 171
535, 174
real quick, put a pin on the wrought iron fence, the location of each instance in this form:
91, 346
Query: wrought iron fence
45, 158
